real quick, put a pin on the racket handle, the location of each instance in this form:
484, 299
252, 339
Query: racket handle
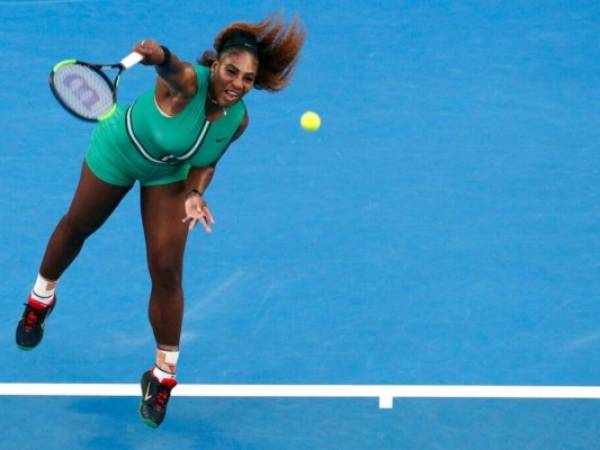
131, 60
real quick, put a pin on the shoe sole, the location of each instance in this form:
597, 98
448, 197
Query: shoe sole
148, 422
25, 349
29, 348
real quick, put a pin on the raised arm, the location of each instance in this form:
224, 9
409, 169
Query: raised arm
176, 77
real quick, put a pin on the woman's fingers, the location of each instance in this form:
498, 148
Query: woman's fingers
193, 220
196, 211
149, 49
209, 215
205, 224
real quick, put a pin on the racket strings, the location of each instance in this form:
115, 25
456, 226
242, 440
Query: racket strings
83, 90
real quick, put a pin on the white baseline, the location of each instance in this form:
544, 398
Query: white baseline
385, 393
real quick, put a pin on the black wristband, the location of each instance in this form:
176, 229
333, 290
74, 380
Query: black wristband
167, 58
193, 191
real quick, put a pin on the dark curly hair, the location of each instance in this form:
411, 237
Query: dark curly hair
277, 49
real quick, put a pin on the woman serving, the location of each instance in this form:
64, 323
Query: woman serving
170, 140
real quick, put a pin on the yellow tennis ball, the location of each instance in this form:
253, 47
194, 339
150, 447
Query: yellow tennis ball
310, 121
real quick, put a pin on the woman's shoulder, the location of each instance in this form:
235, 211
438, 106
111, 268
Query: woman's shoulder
201, 68
238, 111
201, 71
201, 74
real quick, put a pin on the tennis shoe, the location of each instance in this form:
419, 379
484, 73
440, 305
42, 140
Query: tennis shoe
155, 396
30, 329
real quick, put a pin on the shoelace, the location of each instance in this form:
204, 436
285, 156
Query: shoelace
31, 318
162, 397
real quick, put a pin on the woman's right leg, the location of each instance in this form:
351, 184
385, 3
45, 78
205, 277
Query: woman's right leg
92, 204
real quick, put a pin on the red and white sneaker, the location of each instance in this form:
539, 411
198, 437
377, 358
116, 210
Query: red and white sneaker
155, 396
30, 329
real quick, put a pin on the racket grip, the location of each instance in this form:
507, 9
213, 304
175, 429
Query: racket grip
131, 60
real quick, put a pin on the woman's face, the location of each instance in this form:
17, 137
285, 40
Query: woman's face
233, 76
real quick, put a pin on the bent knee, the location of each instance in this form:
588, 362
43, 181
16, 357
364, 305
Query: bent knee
78, 227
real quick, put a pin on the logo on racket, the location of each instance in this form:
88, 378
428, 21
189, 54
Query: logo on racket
81, 89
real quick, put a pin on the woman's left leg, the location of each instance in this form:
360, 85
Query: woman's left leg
162, 212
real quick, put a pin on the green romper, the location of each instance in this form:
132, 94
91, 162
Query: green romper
141, 143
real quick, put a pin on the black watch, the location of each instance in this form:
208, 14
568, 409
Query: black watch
193, 191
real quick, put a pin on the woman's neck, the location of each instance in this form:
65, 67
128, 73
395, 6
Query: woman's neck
212, 106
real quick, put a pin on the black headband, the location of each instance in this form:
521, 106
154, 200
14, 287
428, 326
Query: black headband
241, 40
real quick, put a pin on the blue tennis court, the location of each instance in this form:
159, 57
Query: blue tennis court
441, 228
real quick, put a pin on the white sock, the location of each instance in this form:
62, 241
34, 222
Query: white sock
166, 363
43, 290
162, 375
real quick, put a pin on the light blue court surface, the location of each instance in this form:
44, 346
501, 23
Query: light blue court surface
443, 227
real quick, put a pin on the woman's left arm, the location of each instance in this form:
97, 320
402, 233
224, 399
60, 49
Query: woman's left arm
199, 178
196, 208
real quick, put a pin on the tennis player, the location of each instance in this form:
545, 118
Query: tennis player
170, 140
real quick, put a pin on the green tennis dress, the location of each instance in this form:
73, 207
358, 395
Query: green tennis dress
142, 143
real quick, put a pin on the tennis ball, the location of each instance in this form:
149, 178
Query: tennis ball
310, 121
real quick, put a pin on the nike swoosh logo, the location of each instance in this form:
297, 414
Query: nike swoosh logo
146, 395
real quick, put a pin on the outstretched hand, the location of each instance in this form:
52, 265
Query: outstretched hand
196, 210
151, 51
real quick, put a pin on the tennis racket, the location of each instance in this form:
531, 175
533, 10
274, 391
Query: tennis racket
85, 90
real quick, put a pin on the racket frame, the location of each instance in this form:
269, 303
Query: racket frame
127, 62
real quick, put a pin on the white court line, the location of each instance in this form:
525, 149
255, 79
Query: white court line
385, 393
41, 2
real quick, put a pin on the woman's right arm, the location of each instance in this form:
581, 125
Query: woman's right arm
179, 76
